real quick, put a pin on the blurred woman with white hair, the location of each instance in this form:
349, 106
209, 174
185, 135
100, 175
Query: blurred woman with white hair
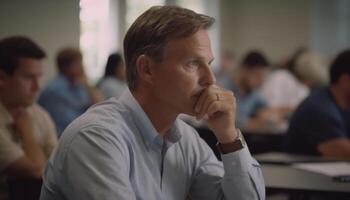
284, 89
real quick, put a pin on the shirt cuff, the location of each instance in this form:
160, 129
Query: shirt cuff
237, 162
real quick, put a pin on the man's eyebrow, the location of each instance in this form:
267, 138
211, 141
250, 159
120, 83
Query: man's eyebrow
202, 59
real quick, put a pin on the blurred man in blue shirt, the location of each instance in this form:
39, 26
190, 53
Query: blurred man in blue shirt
321, 123
69, 94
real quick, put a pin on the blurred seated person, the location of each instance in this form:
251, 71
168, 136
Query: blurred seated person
69, 94
27, 133
311, 70
321, 123
113, 82
251, 107
282, 90
226, 69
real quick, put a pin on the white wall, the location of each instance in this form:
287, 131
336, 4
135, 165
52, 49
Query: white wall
331, 26
276, 27
52, 24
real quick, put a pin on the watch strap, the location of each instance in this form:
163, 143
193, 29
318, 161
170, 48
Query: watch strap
233, 146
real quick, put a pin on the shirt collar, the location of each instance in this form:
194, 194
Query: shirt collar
144, 125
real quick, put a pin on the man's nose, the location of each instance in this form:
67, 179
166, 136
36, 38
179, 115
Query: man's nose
35, 85
208, 77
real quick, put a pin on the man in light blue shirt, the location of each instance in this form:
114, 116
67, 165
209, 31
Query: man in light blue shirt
68, 95
251, 107
135, 147
64, 101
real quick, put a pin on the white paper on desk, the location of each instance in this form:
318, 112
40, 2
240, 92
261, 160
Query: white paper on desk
326, 168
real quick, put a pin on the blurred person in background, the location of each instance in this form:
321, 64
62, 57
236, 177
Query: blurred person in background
321, 123
245, 84
311, 69
69, 94
113, 82
226, 69
27, 133
284, 89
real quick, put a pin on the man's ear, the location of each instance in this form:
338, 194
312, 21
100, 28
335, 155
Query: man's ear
144, 68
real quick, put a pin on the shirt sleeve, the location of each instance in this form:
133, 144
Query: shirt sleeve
9, 150
96, 167
238, 177
243, 176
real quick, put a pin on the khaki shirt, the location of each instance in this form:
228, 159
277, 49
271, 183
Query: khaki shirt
10, 146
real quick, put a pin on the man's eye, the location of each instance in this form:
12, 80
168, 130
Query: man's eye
193, 64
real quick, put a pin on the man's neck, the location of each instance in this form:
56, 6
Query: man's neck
161, 117
339, 96
11, 109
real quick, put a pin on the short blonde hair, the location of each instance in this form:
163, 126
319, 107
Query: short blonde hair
151, 31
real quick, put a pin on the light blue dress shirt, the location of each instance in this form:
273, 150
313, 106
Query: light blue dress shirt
64, 101
114, 152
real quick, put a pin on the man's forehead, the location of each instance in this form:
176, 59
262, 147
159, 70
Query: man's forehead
29, 65
196, 43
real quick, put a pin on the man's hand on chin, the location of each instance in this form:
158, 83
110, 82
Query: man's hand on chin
218, 107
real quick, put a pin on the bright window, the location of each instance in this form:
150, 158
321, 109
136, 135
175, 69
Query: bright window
195, 5
104, 22
137, 7
95, 36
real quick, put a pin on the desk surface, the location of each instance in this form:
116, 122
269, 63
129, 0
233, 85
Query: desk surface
288, 159
284, 178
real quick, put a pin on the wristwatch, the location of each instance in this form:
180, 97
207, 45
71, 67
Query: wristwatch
238, 144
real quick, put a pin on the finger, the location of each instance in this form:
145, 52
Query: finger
214, 108
226, 104
208, 96
198, 105
201, 99
219, 107
212, 93
211, 98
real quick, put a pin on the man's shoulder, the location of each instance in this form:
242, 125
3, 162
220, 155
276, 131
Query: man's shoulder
102, 129
184, 128
189, 135
55, 85
318, 101
107, 116
318, 107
